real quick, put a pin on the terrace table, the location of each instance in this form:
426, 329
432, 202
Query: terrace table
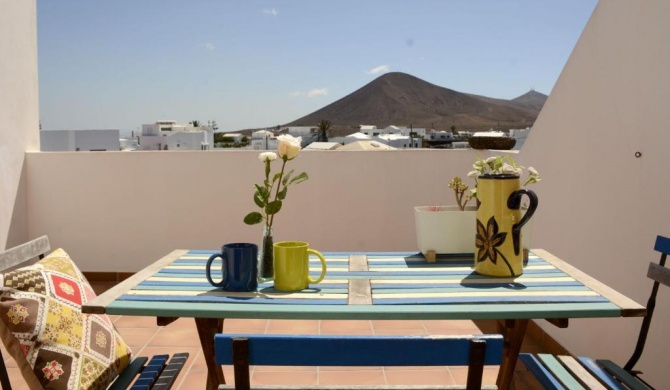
380, 285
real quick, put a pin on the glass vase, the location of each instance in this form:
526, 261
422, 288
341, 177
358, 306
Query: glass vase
266, 271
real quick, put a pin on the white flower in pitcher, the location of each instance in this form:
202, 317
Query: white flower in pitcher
508, 168
267, 156
289, 146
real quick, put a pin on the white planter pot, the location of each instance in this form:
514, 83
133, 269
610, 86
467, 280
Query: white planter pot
445, 229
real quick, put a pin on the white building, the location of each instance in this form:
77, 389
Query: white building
79, 140
169, 135
374, 131
263, 140
355, 137
300, 131
398, 141
323, 146
440, 135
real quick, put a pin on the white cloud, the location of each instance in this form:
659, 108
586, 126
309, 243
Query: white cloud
311, 93
207, 46
379, 69
271, 11
317, 92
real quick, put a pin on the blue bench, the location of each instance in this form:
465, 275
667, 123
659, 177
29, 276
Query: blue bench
567, 372
301, 350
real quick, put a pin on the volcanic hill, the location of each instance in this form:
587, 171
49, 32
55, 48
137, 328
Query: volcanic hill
401, 99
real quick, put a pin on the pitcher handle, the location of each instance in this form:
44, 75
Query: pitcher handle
514, 203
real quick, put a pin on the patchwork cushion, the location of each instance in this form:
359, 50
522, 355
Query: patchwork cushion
43, 328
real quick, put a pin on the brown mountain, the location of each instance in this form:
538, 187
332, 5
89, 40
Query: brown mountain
403, 100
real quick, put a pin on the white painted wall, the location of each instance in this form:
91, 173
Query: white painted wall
134, 207
19, 113
600, 206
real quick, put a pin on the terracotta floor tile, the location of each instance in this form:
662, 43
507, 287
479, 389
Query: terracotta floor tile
397, 324
179, 337
135, 322
245, 326
328, 326
348, 368
302, 326
305, 378
191, 380
400, 332
353, 332
451, 327
408, 376
136, 338
460, 375
283, 368
198, 363
359, 377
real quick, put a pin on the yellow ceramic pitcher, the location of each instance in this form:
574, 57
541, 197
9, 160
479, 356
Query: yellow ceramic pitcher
499, 223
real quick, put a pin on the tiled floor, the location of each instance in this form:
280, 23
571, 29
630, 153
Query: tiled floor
145, 338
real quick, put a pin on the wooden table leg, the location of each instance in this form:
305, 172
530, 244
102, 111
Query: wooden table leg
513, 332
207, 328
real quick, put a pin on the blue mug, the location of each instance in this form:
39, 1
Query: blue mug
239, 267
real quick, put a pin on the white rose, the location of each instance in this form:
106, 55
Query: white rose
289, 146
267, 156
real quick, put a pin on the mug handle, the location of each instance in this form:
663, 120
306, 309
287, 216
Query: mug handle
323, 266
514, 203
209, 266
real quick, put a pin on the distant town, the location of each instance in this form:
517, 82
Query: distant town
168, 135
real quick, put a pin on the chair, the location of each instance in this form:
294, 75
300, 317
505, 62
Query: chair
560, 372
158, 373
301, 350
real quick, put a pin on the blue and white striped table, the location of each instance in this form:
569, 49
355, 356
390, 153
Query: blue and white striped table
373, 286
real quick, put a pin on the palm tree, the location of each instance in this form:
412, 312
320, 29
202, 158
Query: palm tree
323, 127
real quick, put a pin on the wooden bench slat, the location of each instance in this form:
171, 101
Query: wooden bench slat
594, 368
622, 375
541, 373
659, 274
579, 372
563, 375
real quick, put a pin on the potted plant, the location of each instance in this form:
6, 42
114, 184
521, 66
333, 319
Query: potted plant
452, 229
447, 229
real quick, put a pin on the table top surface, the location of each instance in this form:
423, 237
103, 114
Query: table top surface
371, 285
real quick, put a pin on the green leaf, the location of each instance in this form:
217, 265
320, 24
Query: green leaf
273, 207
282, 194
299, 179
262, 191
276, 177
260, 202
253, 218
287, 177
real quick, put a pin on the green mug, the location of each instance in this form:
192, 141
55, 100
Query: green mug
291, 262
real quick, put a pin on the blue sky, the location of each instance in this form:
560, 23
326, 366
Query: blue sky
247, 64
